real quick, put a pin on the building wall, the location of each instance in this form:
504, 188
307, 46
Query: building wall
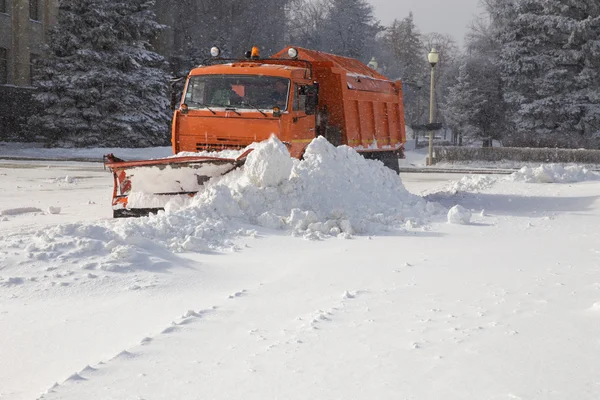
23, 36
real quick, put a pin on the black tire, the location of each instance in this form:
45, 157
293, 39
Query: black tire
388, 158
333, 134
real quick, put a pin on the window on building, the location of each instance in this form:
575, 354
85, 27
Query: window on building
33, 65
3, 66
34, 10
3, 6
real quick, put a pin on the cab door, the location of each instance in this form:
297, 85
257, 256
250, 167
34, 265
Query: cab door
303, 120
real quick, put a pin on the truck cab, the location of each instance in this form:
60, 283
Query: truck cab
229, 106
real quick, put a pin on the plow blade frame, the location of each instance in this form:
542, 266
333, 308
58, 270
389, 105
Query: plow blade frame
122, 174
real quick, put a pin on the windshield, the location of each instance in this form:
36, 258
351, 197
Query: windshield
237, 91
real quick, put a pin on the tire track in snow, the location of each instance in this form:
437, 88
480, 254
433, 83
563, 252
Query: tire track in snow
300, 334
179, 323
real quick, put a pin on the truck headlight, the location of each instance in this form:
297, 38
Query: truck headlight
215, 51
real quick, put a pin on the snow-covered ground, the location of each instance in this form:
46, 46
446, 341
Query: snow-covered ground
326, 278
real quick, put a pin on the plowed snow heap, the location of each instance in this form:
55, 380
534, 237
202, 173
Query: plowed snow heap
331, 192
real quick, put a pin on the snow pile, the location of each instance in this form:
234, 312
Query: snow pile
459, 215
471, 183
270, 165
332, 192
554, 173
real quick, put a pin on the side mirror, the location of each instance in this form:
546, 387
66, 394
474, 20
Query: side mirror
312, 99
184, 108
175, 89
173, 100
276, 111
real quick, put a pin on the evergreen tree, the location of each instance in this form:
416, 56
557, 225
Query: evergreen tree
102, 85
409, 61
349, 28
481, 71
473, 107
405, 41
233, 25
306, 20
464, 104
549, 64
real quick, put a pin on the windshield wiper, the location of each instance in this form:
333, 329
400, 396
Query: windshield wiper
200, 105
259, 110
209, 109
233, 109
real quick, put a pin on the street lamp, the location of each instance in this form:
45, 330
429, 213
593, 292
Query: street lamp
433, 57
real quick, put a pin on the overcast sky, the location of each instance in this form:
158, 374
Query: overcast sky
443, 16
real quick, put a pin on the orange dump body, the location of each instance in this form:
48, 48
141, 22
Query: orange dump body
356, 106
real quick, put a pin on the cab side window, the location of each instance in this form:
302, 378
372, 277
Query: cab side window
299, 98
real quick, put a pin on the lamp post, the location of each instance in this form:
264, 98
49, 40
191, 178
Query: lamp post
433, 57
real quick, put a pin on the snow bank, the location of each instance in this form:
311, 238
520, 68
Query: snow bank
471, 183
554, 173
331, 192
21, 210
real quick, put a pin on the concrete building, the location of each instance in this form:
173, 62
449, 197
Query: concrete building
24, 28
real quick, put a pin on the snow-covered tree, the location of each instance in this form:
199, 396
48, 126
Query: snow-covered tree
350, 28
473, 106
233, 25
464, 105
306, 21
408, 62
480, 72
404, 39
102, 84
550, 71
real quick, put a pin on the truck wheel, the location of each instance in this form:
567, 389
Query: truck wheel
333, 134
388, 158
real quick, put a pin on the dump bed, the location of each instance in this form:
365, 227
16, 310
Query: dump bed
365, 105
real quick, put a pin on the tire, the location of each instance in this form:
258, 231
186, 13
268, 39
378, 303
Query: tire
333, 134
388, 158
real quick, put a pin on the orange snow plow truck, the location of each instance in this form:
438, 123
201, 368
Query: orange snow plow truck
297, 95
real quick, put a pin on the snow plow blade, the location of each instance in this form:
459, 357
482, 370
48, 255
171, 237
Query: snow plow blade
144, 187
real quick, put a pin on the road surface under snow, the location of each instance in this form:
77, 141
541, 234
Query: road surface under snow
324, 279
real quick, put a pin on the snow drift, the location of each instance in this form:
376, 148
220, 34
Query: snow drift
332, 192
555, 173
